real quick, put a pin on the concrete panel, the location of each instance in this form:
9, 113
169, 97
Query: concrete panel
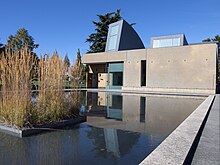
132, 67
192, 66
104, 57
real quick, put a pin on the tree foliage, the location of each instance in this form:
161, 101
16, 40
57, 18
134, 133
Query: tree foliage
20, 40
98, 39
77, 70
66, 62
78, 57
1, 45
2, 48
216, 38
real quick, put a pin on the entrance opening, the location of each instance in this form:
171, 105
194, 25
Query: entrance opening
115, 75
143, 72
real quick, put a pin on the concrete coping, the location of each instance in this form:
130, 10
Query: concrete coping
175, 148
139, 92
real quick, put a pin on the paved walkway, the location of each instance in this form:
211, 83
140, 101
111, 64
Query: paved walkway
208, 149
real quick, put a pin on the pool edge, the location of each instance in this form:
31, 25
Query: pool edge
176, 147
46, 127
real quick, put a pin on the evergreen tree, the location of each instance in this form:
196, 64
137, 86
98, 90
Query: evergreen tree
98, 39
77, 70
1, 45
78, 57
20, 40
216, 38
1, 48
66, 61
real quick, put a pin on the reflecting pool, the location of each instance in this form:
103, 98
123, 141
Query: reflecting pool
120, 129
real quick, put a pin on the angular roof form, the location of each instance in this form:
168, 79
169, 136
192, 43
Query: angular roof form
122, 36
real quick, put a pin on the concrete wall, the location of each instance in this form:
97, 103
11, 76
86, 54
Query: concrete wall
190, 69
132, 67
95, 58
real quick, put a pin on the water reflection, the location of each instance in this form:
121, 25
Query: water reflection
116, 143
155, 116
120, 129
78, 145
51, 148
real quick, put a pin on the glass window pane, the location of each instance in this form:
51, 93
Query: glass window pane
112, 43
156, 43
114, 30
176, 41
116, 67
117, 78
165, 42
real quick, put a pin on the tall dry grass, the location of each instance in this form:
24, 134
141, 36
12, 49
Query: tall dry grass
15, 97
52, 103
16, 105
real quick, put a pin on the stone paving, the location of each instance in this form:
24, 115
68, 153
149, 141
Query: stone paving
208, 149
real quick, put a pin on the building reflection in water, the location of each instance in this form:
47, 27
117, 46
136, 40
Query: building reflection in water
155, 116
58, 147
118, 128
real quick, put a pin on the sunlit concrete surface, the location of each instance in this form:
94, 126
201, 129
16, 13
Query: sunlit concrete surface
208, 150
174, 149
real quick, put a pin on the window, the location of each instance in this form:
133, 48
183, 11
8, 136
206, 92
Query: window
114, 30
166, 42
117, 78
112, 43
156, 43
113, 38
115, 75
176, 42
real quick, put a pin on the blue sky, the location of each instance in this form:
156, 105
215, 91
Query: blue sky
64, 25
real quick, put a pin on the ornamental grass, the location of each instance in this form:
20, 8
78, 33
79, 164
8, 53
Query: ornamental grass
52, 104
16, 69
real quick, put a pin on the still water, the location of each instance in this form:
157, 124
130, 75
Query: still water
120, 129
